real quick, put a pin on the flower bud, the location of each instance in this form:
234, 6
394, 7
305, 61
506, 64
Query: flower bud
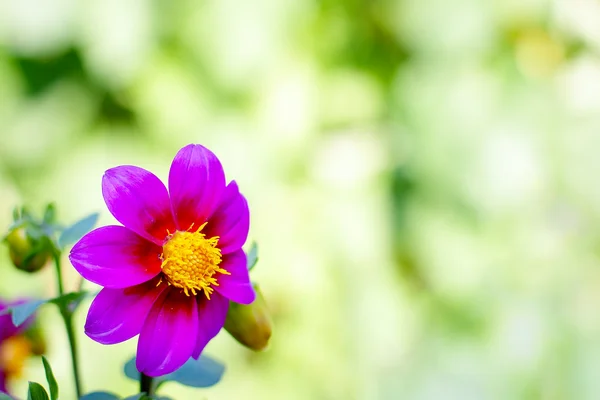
17, 344
27, 253
250, 324
36, 338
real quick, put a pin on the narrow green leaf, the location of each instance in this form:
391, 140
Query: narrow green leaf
100, 396
252, 257
16, 214
36, 392
76, 231
51, 379
50, 214
21, 312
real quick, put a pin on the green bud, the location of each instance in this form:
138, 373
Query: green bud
27, 252
250, 324
36, 338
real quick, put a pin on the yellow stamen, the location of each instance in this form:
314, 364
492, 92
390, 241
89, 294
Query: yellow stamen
190, 260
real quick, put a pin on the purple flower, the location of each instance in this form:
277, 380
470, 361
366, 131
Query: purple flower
14, 347
168, 273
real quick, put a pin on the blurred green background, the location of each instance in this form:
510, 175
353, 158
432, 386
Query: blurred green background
422, 178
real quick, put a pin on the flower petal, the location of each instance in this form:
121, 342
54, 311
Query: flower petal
231, 220
211, 318
115, 257
138, 200
117, 315
3, 382
236, 286
7, 329
196, 183
169, 334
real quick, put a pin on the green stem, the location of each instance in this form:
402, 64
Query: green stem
80, 284
67, 316
146, 384
61, 289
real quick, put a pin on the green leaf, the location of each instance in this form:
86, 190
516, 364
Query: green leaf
70, 301
252, 257
138, 396
21, 312
201, 373
50, 214
16, 214
36, 392
76, 231
51, 379
21, 215
100, 396
4, 396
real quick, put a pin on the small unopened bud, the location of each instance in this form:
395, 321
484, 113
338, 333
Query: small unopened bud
36, 338
27, 253
250, 324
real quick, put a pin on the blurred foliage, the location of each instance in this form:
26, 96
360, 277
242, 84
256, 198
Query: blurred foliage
421, 176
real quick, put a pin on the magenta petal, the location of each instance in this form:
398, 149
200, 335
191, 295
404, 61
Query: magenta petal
211, 318
236, 286
3, 382
117, 315
138, 200
196, 183
7, 329
115, 257
231, 220
169, 334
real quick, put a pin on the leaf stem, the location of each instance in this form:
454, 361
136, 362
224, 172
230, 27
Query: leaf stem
67, 315
146, 384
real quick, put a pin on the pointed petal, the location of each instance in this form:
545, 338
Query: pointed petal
236, 286
117, 315
196, 183
211, 318
138, 200
169, 334
231, 220
115, 257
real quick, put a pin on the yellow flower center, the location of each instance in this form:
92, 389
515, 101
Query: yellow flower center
190, 261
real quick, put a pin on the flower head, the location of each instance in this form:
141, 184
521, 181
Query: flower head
168, 273
15, 347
